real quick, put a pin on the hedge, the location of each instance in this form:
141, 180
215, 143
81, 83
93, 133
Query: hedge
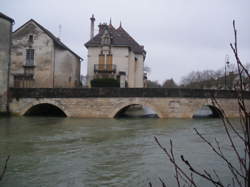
105, 82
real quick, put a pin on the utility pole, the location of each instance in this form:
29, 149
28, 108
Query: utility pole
226, 64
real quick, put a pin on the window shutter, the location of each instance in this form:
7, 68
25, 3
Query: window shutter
109, 62
101, 62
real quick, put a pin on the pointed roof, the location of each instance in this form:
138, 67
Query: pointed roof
119, 37
56, 40
6, 17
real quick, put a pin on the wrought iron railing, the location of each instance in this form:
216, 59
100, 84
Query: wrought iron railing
104, 68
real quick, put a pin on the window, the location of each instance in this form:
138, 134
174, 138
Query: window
30, 57
31, 38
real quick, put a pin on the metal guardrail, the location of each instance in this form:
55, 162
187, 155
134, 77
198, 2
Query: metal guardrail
122, 92
104, 68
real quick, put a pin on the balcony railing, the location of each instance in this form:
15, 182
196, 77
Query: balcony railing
104, 68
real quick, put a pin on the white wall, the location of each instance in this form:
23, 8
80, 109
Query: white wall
124, 61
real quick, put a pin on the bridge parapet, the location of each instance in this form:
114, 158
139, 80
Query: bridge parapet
121, 92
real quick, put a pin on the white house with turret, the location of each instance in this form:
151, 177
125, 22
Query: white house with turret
113, 53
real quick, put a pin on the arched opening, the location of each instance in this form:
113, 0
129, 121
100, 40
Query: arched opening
208, 111
136, 111
45, 109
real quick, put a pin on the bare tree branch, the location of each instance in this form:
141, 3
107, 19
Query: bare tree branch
4, 168
241, 172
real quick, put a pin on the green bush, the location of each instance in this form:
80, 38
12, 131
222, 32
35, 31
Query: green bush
105, 82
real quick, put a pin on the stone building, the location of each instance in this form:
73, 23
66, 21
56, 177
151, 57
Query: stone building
40, 60
113, 53
5, 47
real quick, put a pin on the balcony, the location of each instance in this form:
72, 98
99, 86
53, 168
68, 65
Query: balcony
105, 68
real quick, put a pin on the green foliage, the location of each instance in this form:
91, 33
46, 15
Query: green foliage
105, 82
153, 84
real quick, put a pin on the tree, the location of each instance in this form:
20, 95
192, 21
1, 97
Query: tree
241, 172
169, 83
153, 84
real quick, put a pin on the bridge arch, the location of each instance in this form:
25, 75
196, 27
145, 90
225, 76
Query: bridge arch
42, 104
203, 111
123, 106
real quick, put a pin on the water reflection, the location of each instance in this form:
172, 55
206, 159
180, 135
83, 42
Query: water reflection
102, 152
136, 111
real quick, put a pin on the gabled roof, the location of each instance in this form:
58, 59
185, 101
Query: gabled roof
6, 17
56, 40
119, 37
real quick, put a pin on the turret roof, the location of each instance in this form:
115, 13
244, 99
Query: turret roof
119, 37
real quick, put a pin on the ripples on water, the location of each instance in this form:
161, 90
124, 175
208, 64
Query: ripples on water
102, 152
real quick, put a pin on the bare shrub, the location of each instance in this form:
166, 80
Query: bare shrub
240, 173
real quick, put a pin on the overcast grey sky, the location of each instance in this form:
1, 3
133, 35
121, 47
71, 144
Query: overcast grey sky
179, 36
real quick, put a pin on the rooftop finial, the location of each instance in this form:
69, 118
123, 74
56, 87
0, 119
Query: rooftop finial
120, 23
110, 21
92, 18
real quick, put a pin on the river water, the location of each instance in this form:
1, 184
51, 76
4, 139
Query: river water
65, 152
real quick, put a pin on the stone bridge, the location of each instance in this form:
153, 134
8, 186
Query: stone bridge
108, 102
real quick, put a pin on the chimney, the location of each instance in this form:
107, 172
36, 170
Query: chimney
102, 27
92, 25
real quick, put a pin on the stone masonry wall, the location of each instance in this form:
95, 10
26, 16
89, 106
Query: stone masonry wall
5, 38
44, 54
106, 103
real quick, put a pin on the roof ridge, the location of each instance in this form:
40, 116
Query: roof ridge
120, 37
121, 28
51, 35
7, 17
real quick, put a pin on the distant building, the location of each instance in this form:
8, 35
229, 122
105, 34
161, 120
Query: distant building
41, 60
5, 47
113, 53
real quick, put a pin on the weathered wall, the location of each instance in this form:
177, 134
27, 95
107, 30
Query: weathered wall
67, 69
124, 61
5, 41
106, 103
109, 107
44, 54
55, 66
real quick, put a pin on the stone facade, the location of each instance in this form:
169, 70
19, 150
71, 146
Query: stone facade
40, 60
5, 45
109, 107
120, 52
106, 103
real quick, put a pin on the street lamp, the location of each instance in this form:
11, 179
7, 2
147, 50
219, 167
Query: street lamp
226, 64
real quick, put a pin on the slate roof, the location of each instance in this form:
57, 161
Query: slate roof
119, 37
6, 17
56, 40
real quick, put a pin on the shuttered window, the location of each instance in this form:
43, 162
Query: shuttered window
109, 62
101, 62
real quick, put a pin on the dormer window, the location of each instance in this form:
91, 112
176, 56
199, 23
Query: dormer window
106, 38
